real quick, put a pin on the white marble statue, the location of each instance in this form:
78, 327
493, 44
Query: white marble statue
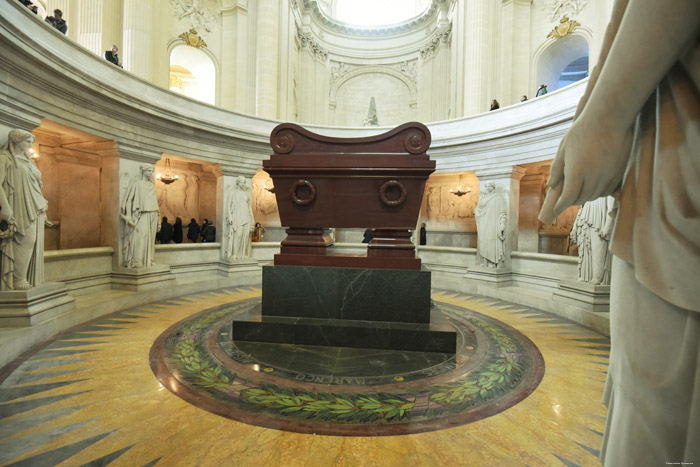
239, 223
141, 215
591, 231
22, 215
491, 221
637, 130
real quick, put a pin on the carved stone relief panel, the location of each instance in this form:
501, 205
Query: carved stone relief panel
264, 202
189, 196
444, 210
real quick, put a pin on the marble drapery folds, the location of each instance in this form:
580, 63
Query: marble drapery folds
239, 223
141, 215
491, 219
591, 231
22, 214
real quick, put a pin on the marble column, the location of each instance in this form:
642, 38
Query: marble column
90, 25
235, 62
112, 26
515, 51
531, 198
109, 194
479, 51
507, 183
137, 41
268, 22
225, 184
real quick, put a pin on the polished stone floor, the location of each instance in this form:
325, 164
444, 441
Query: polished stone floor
91, 396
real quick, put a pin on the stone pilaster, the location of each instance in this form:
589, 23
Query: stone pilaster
515, 50
508, 184
137, 42
478, 36
235, 62
267, 58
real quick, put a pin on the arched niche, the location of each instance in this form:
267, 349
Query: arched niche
193, 72
553, 58
394, 94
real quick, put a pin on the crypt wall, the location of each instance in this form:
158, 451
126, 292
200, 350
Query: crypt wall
95, 124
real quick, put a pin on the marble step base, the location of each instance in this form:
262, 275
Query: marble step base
32, 306
140, 279
435, 337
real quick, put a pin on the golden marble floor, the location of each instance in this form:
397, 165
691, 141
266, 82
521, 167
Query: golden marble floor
91, 398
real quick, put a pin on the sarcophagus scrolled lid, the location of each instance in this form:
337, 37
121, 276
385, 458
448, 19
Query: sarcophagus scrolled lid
375, 181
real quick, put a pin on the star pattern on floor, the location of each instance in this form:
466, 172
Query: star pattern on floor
89, 398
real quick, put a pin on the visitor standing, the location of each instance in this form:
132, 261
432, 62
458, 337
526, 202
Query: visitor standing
58, 21
193, 231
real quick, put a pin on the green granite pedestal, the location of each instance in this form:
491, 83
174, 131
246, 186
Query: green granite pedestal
347, 307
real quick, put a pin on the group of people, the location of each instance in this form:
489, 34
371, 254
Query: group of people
541, 91
56, 20
174, 232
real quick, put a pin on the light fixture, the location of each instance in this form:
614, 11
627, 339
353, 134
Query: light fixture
168, 176
459, 191
33, 153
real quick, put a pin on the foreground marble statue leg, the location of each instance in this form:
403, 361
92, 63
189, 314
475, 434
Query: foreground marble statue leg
649, 379
638, 127
24, 252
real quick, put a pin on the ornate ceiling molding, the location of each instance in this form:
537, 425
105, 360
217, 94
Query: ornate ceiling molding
442, 35
306, 40
344, 28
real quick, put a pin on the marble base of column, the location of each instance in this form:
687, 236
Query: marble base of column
32, 306
139, 279
590, 297
236, 267
494, 277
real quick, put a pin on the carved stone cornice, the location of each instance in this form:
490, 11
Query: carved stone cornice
442, 35
306, 40
344, 28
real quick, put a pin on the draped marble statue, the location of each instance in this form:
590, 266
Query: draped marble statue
591, 231
141, 215
637, 130
491, 219
22, 215
239, 222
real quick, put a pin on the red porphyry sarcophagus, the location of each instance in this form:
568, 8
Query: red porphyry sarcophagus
370, 182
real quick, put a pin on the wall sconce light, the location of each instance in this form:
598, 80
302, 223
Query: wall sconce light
167, 177
459, 191
33, 154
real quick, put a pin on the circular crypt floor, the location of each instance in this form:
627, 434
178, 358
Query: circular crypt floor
523, 389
